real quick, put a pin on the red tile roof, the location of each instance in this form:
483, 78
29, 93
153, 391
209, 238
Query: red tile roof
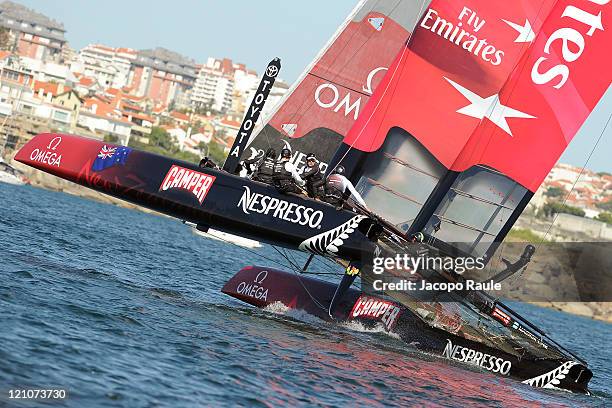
86, 81
139, 116
231, 123
102, 107
179, 116
48, 87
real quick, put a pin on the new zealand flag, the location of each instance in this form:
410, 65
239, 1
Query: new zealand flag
110, 156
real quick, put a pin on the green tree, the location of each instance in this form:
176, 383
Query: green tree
5, 39
111, 138
221, 133
605, 217
606, 205
159, 137
551, 209
555, 192
215, 151
203, 147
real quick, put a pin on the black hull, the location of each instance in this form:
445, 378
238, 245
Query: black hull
228, 203
261, 287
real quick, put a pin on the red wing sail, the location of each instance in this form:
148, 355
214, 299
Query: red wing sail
325, 102
506, 85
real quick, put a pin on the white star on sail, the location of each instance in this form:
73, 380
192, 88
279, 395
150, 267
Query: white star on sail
489, 107
525, 33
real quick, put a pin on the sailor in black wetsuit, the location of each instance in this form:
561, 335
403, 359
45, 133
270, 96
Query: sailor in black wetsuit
207, 162
313, 177
338, 189
286, 179
251, 165
264, 168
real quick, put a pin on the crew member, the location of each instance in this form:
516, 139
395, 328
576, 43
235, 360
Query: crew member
286, 179
313, 177
264, 170
338, 189
249, 166
207, 162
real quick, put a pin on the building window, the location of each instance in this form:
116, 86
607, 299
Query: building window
61, 116
14, 76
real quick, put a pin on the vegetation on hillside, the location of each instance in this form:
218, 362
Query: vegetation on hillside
160, 142
552, 208
605, 205
555, 192
605, 217
524, 235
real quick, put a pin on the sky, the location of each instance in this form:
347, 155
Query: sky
254, 32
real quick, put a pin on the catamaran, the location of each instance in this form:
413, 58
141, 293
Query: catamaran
447, 116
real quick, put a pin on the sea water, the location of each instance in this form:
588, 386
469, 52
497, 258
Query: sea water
123, 308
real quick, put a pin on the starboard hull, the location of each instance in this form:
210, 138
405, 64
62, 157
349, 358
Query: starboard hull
261, 287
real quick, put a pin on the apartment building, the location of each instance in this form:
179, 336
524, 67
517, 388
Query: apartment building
162, 75
109, 66
32, 34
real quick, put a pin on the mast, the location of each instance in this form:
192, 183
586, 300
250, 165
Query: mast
252, 114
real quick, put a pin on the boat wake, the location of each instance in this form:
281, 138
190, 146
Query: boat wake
278, 308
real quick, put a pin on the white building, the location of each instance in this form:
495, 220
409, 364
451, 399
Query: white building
219, 80
47, 71
109, 66
212, 88
106, 124
277, 92
244, 79
178, 134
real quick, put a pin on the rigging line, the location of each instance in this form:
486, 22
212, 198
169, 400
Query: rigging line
314, 300
295, 266
322, 273
483, 200
295, 269
405, 48
410, 166
329, 265
390, 190
577, 179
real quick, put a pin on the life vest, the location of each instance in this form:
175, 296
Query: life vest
267, 166
333, 193
281, 173
265, 170
314, 181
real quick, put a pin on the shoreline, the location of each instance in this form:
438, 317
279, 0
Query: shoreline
594, 310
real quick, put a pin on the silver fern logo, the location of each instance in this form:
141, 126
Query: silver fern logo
552, 378
328, 242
